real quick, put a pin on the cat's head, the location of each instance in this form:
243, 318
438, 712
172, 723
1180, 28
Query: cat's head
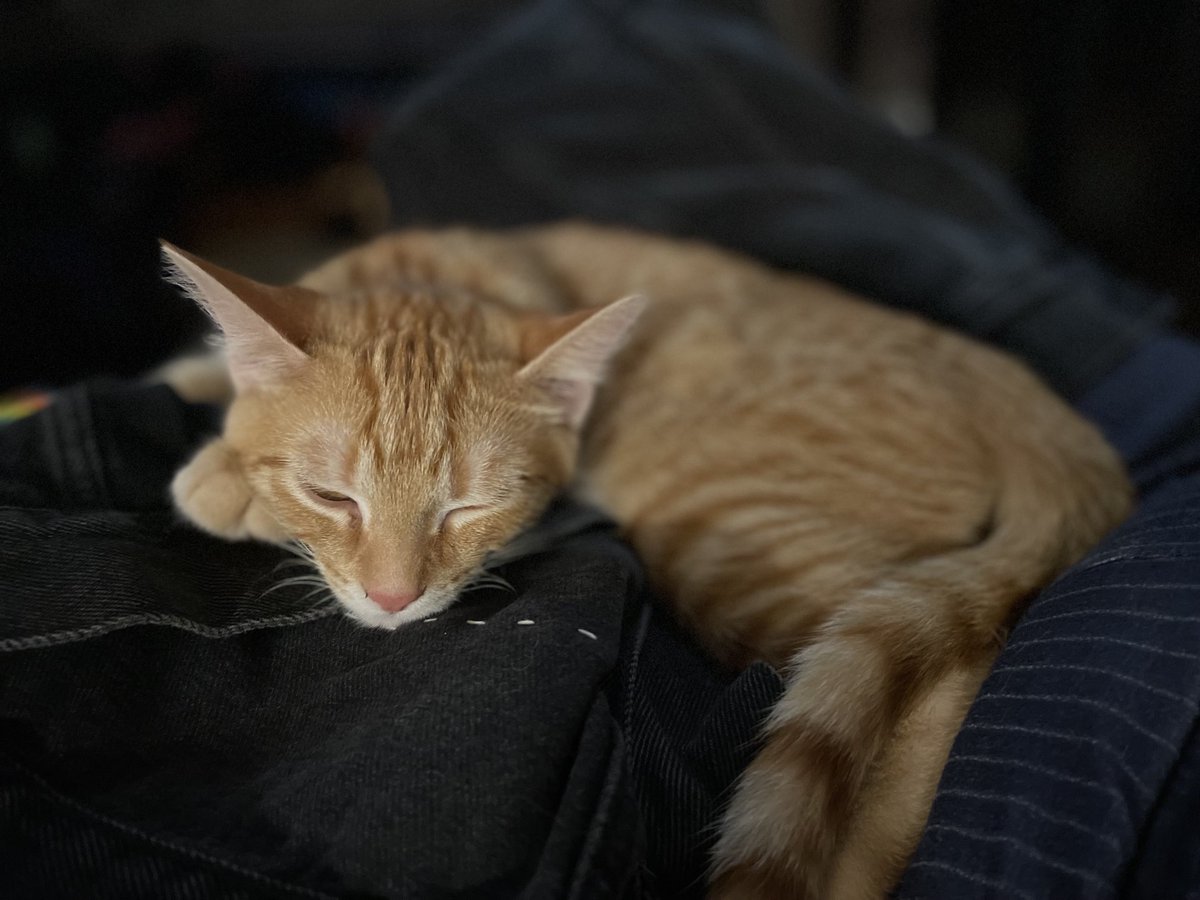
401, 434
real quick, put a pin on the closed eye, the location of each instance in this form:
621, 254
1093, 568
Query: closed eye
460, 515
329, 497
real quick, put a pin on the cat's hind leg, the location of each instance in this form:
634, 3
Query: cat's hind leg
213, 494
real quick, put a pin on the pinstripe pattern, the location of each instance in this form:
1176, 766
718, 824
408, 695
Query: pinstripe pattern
1057, 771
1082, 745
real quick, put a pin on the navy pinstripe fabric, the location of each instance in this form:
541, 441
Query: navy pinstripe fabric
1076, 773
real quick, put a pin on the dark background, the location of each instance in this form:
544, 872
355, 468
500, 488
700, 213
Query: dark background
242, 131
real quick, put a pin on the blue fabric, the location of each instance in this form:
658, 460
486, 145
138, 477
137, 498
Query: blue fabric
668, 116
1077, 772
1149, 408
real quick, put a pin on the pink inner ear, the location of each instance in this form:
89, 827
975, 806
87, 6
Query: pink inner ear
571, 367
573, 398
257, 351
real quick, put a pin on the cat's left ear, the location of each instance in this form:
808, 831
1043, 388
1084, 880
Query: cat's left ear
264, 326
571, 353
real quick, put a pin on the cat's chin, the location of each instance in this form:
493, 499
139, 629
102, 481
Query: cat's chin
366, 613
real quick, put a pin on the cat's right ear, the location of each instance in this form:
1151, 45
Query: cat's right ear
263, 325
570, 354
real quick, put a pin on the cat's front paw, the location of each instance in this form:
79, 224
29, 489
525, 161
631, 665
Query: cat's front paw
212, 493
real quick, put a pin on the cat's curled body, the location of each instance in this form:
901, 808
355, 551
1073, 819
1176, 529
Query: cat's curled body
854, 495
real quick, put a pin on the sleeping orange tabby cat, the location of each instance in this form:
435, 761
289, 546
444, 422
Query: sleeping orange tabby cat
849, 493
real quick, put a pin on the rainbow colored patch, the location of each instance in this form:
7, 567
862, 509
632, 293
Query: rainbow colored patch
19, 404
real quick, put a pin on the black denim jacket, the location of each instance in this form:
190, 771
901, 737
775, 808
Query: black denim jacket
170, 726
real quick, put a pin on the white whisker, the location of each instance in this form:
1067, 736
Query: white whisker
485, 579
475, 587
301, 550
312, 580
323, 589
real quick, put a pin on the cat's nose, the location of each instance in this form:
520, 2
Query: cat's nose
394, 600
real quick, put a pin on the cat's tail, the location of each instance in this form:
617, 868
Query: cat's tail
884, 653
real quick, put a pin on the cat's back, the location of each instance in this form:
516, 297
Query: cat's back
737, 335
717, 317
772, 438
731, 355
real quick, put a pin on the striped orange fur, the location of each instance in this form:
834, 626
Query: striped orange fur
858, 497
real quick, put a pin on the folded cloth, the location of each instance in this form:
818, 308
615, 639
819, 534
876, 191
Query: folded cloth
660, 114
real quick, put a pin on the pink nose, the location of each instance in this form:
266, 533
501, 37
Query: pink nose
393, 601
